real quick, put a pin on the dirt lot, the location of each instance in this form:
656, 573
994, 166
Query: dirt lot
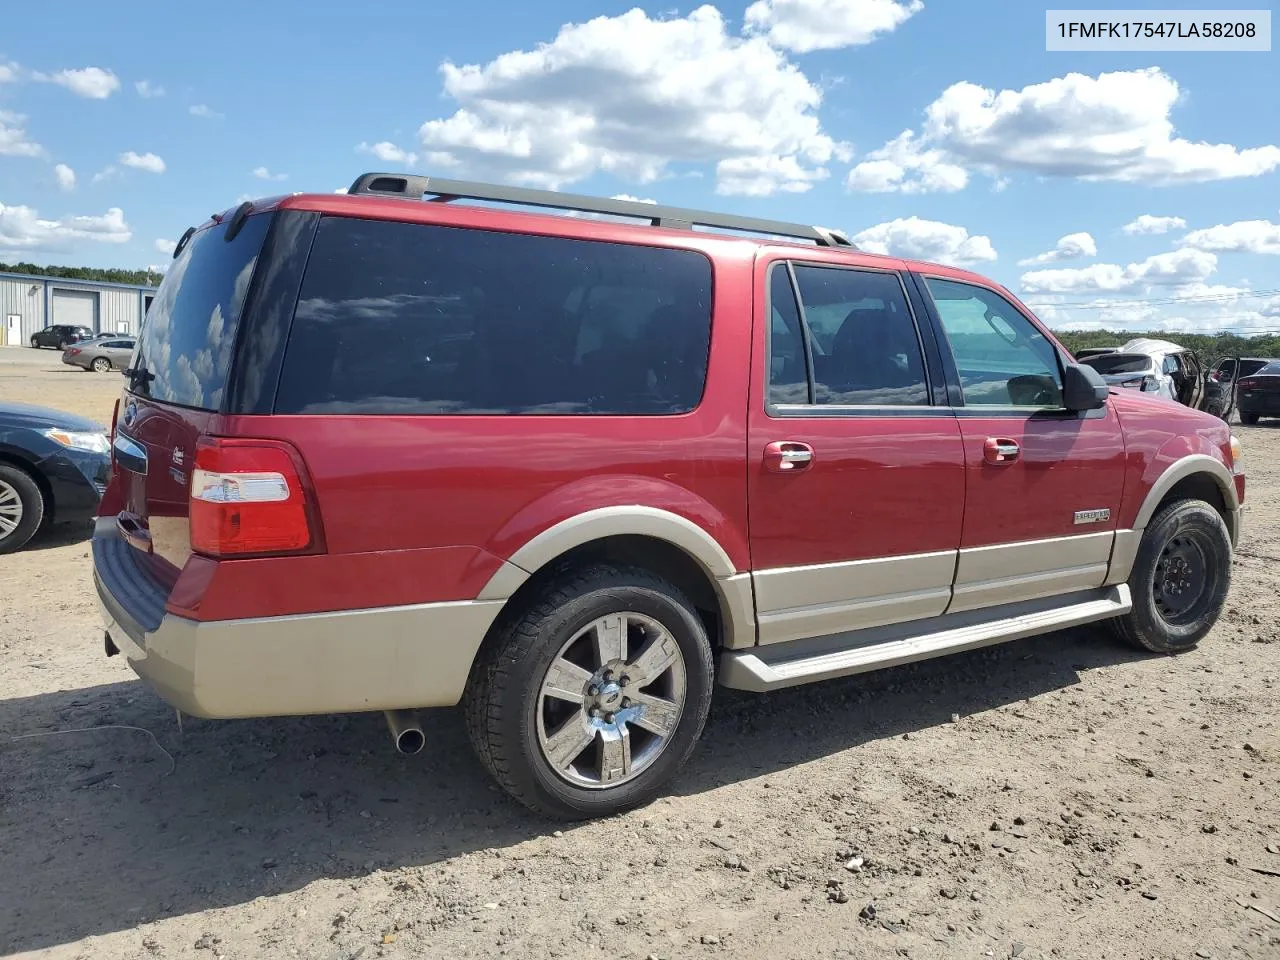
1062, 796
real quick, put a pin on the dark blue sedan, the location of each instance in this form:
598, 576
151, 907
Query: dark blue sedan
54, 467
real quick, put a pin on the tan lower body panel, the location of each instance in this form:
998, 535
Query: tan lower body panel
1009, 573
385, 659
796, 602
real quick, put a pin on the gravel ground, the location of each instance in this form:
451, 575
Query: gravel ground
1062, 796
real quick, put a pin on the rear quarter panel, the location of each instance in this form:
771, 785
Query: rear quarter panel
421, 509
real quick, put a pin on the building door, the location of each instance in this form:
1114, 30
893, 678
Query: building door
13, 330
76, 308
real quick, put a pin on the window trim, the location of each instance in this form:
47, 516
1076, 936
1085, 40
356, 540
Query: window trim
784, 411
954, 385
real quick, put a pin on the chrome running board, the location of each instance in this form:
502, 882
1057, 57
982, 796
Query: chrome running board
774, 666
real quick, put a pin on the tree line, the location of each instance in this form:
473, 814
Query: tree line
1208, 347
148, 278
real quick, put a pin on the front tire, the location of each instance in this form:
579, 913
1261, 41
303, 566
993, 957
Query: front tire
1249, 419
589, 700
21, 508
1180, 579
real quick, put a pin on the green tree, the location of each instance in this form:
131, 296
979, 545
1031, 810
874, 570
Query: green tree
147, 278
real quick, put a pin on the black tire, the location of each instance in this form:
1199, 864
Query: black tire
1249, 419
32, 506
502, 698
1158, 621
101, 365
35, 344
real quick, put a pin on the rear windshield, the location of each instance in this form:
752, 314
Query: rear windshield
399, 318
1119, 363
189, 332
1270, 368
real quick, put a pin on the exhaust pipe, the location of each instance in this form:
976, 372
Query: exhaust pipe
406, 731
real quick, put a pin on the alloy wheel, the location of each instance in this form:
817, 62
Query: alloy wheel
611, 700
11, 509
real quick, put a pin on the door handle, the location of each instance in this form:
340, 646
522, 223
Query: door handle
787, 456
1000, 450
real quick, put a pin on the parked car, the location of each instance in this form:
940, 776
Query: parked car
1258, 393
54, 468
1155, 366
652, 458
1220, 385
101, 354
59, 335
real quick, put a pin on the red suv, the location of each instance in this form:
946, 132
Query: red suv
382, 454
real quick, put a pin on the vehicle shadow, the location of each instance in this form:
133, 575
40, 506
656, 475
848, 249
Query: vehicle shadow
59, 535
100, 833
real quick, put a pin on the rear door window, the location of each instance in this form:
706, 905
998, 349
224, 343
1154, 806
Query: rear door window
188, 336
398, 318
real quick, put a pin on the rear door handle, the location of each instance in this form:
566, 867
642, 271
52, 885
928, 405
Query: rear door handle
788, 456
1000, 450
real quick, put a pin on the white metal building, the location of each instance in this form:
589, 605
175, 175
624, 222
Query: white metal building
29, 304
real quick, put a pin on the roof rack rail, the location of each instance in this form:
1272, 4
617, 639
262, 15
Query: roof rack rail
416, 187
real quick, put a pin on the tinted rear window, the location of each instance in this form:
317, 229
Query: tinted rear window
1269, 369
1119, 363
397, 318
189, 332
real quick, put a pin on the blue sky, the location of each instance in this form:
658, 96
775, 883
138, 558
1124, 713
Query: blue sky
121, 124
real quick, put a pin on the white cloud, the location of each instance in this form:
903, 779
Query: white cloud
630, 198
926, 240
143, 161
341, 190
22, 228
1147, 224
148, 90
106, 173
1073, 246
1115, 126
905, 165
388, 152
9, 72
807, 25
66, 177
94, 83
1173, 269
262, 173
204, 110
165, 246
14, 141
1243, 236
631, 96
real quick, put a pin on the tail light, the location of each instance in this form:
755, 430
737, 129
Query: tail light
251, 497
72, 351
1150, 384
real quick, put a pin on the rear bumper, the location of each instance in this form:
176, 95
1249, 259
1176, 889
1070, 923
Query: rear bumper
348, 661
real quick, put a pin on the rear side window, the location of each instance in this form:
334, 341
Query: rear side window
189, 333
397, 318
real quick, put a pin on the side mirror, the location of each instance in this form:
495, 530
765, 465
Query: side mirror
1083, 388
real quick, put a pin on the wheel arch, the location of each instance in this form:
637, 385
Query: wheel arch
1200, 476
9, 458
666, 543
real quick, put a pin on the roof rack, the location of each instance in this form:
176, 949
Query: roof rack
415, 187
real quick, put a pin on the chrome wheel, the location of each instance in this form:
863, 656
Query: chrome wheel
611, 700
10, 509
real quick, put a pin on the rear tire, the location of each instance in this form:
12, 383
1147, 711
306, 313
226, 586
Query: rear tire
1179, 580
1249, 419
101, 365
21, 508
566, 753
35, 344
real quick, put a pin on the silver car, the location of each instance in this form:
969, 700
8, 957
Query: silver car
100, 354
